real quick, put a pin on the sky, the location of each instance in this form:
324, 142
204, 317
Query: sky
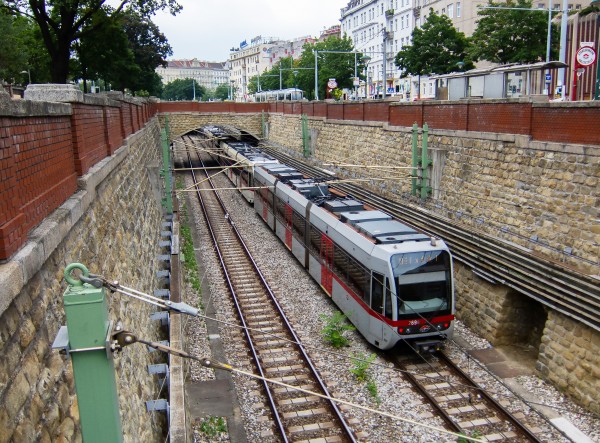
207, 29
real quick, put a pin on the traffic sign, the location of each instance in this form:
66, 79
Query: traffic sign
548, 77
586, 56
332, 84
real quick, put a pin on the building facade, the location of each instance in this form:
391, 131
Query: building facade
207, 74
381, 28
250, 60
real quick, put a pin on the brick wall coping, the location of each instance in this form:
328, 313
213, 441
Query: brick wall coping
28, 108
45, 238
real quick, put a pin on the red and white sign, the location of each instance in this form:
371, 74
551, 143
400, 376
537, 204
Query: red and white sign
586, 56
332, 84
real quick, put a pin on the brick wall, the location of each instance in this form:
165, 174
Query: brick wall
554, 122
44, 147
101, 228
89, 137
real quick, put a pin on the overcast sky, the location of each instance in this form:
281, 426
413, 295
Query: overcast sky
207, 29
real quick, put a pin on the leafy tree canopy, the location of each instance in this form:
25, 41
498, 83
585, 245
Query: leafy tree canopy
221, 92
512, 36
436, 48
331, 65
179, 89
63, 22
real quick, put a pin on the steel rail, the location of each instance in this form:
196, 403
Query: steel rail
566, 290
334, 407
492, 401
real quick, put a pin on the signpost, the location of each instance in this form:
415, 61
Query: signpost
586, 56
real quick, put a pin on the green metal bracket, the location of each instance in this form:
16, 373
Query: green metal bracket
415, 158
305, 136
425, 163
89, 332
420, 183
165, 172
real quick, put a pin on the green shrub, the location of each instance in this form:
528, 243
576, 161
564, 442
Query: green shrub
361, 365
213, 426
335, 327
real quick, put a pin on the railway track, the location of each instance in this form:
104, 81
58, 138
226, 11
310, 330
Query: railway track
563, 289
464, 406
271, 339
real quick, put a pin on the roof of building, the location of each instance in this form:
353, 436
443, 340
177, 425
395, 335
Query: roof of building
195, 64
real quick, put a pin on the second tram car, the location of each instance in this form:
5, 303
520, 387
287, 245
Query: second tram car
393, 282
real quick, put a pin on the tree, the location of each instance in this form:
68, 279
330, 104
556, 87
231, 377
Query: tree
179, 89
331, 65
150, 49
13, 48
222, 92
63, 22
436, 48
269, 80
512, 36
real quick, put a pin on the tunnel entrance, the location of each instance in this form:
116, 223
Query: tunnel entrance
521, 327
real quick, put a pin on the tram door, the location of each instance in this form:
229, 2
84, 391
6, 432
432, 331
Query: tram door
327, 264
288, 226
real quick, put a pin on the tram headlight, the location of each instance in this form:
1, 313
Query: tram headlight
402, 330
442, 326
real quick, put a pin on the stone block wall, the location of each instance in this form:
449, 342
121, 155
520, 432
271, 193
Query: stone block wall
543, 196
100, 227
570, 358
182, 122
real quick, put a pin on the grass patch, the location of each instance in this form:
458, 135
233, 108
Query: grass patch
190, 265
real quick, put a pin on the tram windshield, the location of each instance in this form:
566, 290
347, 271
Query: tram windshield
423, 283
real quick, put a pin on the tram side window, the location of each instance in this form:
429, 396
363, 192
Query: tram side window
280, 209
388, 299
315, 241
299, 223
377, 292
352, 272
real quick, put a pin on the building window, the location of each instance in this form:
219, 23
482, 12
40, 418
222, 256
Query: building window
457, 9
451, 10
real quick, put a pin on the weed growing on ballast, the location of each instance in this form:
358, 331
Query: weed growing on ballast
335, 327
213, 426
362, 363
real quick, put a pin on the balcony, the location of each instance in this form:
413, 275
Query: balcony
389, 13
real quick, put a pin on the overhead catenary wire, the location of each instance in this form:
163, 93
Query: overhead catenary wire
347, 357
207, 362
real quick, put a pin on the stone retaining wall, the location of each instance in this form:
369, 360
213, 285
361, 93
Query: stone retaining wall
99, 226
541, 196
570, 359
180, 123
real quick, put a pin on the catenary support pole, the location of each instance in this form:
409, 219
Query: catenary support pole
166, 173
86, 309
425, 162
415, 159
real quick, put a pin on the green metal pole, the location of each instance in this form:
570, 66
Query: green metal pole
88, 325
305, 136
415, 158
165, 172
425, 162
263, 123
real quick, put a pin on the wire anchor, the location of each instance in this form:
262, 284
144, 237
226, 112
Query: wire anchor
98, 281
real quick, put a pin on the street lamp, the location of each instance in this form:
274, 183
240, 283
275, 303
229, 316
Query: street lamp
366, 59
